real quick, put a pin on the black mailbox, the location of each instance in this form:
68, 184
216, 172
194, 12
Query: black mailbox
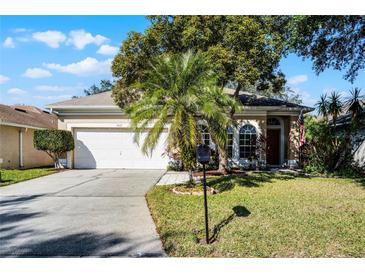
203, 154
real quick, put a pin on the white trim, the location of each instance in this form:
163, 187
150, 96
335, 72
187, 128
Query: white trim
282, 136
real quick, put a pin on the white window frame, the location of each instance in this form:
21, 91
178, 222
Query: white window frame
241, 147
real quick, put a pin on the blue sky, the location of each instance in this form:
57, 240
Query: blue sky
45, 59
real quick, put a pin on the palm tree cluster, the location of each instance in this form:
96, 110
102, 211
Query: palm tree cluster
334, 105
331, 146
180, 93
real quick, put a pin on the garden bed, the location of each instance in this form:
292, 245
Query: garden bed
212, 173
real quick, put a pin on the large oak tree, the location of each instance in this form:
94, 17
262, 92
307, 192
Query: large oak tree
245, 51
336, 42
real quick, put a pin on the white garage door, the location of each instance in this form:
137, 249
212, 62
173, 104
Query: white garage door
113, 148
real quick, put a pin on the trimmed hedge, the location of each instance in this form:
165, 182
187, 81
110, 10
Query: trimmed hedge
54, 142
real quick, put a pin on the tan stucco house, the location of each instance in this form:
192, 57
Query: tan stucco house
104, 138
17, 124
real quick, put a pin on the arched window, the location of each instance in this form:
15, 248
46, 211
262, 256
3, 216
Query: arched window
205, 135
230, 142
248, 139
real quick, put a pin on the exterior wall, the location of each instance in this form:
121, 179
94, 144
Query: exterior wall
31, 156
9, 149
290, 132
9, 146
359, 155
293, 140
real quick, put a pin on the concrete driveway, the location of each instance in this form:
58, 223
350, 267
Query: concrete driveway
80, 213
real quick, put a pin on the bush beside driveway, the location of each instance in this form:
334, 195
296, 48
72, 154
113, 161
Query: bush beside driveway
265, 215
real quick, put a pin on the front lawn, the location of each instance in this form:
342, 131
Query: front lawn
265, 215
12, 176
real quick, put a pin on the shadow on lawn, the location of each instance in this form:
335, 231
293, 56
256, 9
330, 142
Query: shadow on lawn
361, 182
254, 179
238, 211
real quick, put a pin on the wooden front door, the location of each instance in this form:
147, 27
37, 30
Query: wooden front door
273, 147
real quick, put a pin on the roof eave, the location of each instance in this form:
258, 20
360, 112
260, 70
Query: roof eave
55, 107
20, 125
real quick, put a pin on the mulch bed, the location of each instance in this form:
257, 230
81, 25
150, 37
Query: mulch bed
211, 173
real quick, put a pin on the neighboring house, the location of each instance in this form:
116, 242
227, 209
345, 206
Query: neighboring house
358, 139
17, 124
104, 138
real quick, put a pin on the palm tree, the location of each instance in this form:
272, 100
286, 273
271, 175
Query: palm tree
322, 106
178, 92
335, 106
354, 104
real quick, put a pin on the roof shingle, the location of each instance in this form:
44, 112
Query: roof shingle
27, 116
105, 99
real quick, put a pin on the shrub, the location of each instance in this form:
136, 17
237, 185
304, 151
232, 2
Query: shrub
54, 142
327, 150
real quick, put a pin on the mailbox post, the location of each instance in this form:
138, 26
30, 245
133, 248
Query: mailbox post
203, 157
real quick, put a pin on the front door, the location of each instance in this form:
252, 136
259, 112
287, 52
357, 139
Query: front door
273, 146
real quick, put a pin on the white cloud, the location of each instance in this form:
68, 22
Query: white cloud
9, 43
48, 88
23, 39
87, 67
107, 50
18, 30
307, 98
3, 79
52, 38
53, 98
16, 91
80, 38
298, 79
37, 73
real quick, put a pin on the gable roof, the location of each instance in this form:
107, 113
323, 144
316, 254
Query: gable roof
105, 100
255, 100
346, 118
26, 116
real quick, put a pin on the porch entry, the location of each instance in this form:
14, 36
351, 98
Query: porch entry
273, 146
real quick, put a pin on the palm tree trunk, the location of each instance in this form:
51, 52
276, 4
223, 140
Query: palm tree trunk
223, 160
191, 179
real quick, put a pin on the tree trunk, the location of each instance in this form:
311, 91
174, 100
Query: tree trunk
344, 152
223, 160
191, 176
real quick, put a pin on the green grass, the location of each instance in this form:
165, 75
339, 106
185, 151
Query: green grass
12, 176
265, 215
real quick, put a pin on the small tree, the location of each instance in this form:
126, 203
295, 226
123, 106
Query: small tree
104, 86
54, 142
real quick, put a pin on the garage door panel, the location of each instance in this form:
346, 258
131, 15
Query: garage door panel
105, 148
